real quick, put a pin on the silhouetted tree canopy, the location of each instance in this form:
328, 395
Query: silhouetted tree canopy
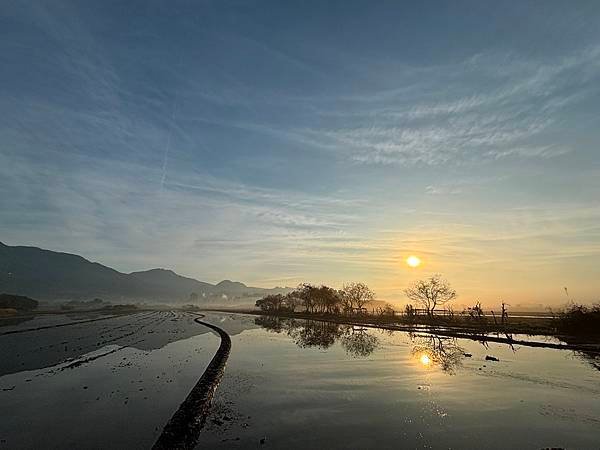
319, 299
270, 302
431, 293
356, 295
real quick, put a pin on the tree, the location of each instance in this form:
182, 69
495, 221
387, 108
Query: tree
308, 295
430, 293
356, 295
329, 300
292, 301
270, 302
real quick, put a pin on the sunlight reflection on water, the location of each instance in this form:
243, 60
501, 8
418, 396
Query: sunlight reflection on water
353, 387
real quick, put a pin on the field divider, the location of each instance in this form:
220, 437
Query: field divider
183, 429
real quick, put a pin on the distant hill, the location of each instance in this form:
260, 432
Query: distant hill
18, 302
48, 275
231, 286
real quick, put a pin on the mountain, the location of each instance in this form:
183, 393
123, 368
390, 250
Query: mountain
48, 275
231, 286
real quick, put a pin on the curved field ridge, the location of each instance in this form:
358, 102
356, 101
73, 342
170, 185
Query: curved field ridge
183, 429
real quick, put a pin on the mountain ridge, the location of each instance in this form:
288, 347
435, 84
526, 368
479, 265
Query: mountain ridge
49, 275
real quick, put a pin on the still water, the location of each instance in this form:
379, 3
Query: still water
299, 384
114, 383
106, 384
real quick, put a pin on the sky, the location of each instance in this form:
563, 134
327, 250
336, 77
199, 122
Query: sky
280, 142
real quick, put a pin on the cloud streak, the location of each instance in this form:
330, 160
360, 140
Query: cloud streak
510, 121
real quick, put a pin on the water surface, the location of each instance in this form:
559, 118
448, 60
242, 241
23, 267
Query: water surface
107, 384
301, 384
288, 384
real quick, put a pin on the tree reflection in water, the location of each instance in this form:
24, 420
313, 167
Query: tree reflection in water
356, 341
271, 323
430, 350
443, 352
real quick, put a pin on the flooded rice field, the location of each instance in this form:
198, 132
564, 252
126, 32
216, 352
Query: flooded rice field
110, 383
115, 382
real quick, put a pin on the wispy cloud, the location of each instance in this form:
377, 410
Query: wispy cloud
511, 120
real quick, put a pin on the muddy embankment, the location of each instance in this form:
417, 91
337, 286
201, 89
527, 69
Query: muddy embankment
183, 429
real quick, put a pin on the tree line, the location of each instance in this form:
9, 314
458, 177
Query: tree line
320, 299
430, 294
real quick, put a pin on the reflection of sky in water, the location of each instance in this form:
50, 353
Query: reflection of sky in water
409, 391
297, 384
120, 400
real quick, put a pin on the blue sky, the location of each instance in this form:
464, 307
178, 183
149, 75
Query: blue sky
275, 143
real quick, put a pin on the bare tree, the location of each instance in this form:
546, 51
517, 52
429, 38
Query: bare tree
430, 293
356, 295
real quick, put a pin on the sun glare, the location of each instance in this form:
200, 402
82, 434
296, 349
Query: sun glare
425, 360
413, 261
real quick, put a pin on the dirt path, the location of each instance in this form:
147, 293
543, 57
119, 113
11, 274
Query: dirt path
183, 429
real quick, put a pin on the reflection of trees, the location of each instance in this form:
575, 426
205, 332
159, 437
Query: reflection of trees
441, 351
358, 342
271, 323
313, 333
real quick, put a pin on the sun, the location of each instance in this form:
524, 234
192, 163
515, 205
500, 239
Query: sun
425, 360
413, 261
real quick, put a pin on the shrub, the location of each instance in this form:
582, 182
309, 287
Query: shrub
577, 319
